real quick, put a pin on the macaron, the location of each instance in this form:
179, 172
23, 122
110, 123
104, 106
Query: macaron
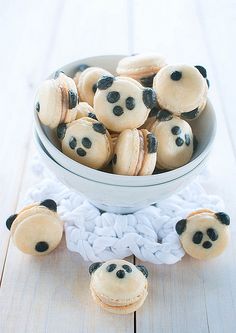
118, 286
182, 90
87, 83
135, 153
81, 68
56, 100
204, 234
86, 141
83, 109
175, 141
122, 103
141, 67
36, 229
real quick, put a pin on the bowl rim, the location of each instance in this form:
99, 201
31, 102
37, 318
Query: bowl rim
109, 178
44, 151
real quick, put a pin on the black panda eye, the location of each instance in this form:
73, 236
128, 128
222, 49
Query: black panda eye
111, 267
127, 268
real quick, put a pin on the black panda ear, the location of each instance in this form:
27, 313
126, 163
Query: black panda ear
180, 226
143, 269
72, 99
149, 98
94, 267
105, 82
223, 218
61, 131
190, 114
202, 70
50, 204
10, 220
164, 115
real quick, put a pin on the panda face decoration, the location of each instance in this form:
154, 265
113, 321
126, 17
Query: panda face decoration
204, 234
121, 103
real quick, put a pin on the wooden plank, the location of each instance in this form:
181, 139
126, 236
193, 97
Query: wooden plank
191, 295
27, 41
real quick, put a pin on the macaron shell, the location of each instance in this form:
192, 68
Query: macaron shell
98, 154
39, 227
130, 119
49, 98
140, 65
67, 84
83, 109
183, 95
126, 152
118, 309
171, 156
202, 222
86, 81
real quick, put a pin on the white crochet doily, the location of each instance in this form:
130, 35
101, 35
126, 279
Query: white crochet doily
149, 233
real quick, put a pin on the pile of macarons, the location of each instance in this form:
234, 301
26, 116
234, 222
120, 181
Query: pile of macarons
135, 123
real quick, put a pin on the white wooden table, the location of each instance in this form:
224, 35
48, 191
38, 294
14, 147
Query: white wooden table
50, 294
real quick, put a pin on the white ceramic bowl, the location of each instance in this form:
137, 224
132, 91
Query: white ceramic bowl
115, 198
204, 129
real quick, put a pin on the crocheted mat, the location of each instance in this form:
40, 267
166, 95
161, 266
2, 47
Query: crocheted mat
149, 233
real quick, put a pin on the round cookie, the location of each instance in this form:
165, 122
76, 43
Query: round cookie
175, 141
204, 234
56, 100
87, 83
122, 103
141, 67
86, 141
135, 153
36, 229
83, 109
118, 286
182, 90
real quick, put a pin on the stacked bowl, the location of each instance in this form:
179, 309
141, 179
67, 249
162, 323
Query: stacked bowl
116, 193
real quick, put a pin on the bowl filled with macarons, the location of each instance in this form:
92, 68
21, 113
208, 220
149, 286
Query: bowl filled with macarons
125, 131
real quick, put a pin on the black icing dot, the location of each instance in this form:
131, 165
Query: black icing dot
105, 82
197, 237
202, 70
92, 115
61, 131
187, 139
176, 130
127, 268
10, 220
130, 103
50, 204
212, 234
111, 267
99, 127
37, 107
81, 152
113, 96
117, 110
208, 83
154, 112
147, 81
164, 115
190, 115
86, 142
73, 99
176, 76
114, 160
72, 142
207, 245
82, 67
120, 274
94, 88
179, 142
151, 143
41, 246
149, 98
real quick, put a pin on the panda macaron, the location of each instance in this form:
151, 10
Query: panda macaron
118, 286
36, 229
86, 141
122, 103
204, 234
182, 90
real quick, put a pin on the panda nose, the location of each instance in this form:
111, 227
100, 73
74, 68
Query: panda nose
41, 246
120, 274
